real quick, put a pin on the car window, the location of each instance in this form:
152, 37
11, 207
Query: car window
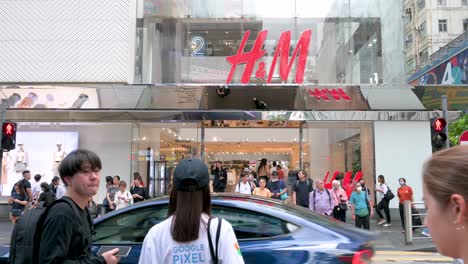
130, 227
253, 225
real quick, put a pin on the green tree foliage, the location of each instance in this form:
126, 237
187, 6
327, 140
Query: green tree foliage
456, 129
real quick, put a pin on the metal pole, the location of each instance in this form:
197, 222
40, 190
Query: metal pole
301, 132
445, 116
202, 142
408, 222
1, 135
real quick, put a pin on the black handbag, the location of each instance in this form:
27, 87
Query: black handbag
389, 195
343, 206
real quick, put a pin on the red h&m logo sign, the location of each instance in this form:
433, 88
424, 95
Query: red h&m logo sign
282, 50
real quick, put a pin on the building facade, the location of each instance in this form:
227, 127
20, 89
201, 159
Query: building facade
429, 26
315, 86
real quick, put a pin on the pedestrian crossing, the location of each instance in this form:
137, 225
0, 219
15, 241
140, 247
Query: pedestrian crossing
409, 257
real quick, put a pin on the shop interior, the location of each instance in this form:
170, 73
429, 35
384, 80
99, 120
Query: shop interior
154, 149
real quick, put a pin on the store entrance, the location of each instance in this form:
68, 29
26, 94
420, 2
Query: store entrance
240, 145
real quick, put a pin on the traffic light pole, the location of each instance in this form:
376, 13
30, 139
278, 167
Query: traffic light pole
445, 116
3, 109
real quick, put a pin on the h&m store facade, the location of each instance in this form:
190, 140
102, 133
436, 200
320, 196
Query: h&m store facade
315, 86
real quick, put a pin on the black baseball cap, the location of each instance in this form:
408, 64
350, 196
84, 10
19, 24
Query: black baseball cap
191, 175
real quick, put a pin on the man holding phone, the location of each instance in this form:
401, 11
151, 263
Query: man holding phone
66, 232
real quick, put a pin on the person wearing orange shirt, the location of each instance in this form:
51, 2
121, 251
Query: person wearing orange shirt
262, 191
405, 193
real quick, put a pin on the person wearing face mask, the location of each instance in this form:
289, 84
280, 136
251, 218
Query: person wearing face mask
364, 188
361, 207
340, 201
405, 193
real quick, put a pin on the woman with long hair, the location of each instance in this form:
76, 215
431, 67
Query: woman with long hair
263, 170
138, 190
445, 190
47, 196
189, 229
18, 202
383, 203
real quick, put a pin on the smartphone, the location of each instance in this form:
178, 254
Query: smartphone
123, 250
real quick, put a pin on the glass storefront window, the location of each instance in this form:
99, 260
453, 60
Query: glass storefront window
348, 44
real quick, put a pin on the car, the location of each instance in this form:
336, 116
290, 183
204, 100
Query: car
268, 231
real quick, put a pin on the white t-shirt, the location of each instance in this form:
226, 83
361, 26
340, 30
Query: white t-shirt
384, 189
160, 247
61, 190
36, 189
245, 188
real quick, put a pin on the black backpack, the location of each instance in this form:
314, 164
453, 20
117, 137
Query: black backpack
27, 232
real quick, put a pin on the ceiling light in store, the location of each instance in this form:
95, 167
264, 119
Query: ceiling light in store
215, 139
374, 40
247, 140
144, 138
227, 32
295, 139
179, 138
370, 45
274, 140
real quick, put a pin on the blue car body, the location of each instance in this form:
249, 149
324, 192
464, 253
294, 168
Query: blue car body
307, 238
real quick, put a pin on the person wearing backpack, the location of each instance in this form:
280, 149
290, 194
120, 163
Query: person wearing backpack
245, 186
65, 235
301, 190
123, 198
320, 200
190, 234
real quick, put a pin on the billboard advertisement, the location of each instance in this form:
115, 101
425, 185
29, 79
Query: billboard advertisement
451, 72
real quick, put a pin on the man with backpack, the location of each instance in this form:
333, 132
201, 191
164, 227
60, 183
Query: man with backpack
66, 232
61, 233
301, 190
321, 200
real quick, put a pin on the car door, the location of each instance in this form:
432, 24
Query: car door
261, 236
128, 228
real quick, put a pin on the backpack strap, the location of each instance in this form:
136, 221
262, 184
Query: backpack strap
218, 233
329, 197
214, 259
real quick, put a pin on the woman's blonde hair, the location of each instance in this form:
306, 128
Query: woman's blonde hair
446, 173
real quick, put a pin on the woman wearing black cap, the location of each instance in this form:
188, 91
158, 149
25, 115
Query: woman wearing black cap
183, 236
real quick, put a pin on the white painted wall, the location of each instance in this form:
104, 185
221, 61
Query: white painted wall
400, 151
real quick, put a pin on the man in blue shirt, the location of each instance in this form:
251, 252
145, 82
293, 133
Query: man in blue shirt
276, 187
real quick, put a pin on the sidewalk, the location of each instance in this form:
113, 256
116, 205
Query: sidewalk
391, 238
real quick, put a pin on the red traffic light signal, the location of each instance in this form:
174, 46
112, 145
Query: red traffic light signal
438, 125
8, 129
8, 135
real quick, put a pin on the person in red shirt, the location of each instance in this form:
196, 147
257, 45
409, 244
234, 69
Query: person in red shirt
405, 193
280, 172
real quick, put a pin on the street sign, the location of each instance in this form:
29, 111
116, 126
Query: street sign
464, 138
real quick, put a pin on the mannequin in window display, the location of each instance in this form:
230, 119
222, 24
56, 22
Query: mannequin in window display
6, 159
59, 154
21, 159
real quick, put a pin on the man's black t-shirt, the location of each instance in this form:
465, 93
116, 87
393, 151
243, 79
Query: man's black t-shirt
140, 191
66, 236
27, 185
302, 190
